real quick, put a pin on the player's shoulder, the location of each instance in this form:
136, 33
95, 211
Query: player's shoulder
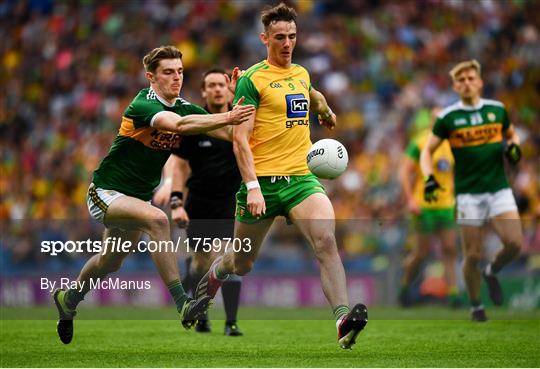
255, 70
145, 101
491, 102
187, 107
299, 67
448, 110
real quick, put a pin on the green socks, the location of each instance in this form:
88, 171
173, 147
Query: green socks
178, 294
340, 310
72, 297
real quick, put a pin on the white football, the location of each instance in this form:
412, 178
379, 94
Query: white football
327, 158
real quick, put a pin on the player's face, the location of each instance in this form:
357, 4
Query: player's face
280, 40
215, 89
468, 84
167, 79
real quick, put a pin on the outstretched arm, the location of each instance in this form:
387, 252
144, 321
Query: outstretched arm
319, 106
202, 123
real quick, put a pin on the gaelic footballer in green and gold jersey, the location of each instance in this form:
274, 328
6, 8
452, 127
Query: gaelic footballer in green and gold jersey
271, 150
123, 183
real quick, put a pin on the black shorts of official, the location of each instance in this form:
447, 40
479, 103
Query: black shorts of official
210, 217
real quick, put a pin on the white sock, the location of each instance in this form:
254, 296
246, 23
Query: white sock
488, 270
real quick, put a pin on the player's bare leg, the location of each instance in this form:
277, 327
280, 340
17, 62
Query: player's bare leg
134, 213
239, 263
316, 220
98, 266
471, 239
449, 257
412, 265
508, 227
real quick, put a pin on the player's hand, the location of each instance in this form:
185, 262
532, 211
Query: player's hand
231, 82
180, 217
328, 120
163, 195
513, 153
413, 206
430, 188
255, 202
240, 113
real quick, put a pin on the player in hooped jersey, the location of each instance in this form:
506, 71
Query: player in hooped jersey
122, 185
271, 153
476, 128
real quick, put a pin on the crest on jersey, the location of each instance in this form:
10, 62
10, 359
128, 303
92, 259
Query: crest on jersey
491, 116
304, 84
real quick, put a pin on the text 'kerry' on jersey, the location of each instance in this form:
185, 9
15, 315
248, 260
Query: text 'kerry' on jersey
281, 139
475, 134
139, 151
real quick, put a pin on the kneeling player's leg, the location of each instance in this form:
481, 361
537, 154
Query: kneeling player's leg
508, 227
316, 220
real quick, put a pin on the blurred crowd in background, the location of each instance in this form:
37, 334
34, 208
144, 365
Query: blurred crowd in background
70, 68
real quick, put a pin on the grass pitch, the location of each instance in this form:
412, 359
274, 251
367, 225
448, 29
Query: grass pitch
142, 337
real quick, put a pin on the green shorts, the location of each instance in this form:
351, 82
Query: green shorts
432, 220
281, 194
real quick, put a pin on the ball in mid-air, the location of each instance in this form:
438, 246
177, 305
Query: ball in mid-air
327, 158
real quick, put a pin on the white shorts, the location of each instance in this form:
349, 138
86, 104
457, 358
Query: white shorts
99, 199
476, 209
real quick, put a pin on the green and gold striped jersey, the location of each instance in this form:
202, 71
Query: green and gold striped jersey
475, 134
139, 151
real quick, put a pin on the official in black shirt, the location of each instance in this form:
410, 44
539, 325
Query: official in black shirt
205, 170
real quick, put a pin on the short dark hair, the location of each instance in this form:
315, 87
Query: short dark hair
281, 12
152, 59
217, 70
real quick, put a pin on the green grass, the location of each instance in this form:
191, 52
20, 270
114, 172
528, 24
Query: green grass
393, 338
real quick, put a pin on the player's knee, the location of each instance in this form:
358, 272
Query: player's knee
325, 244
420, 253
243, 267
157, 223
513, 246
449, 253
472, 259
